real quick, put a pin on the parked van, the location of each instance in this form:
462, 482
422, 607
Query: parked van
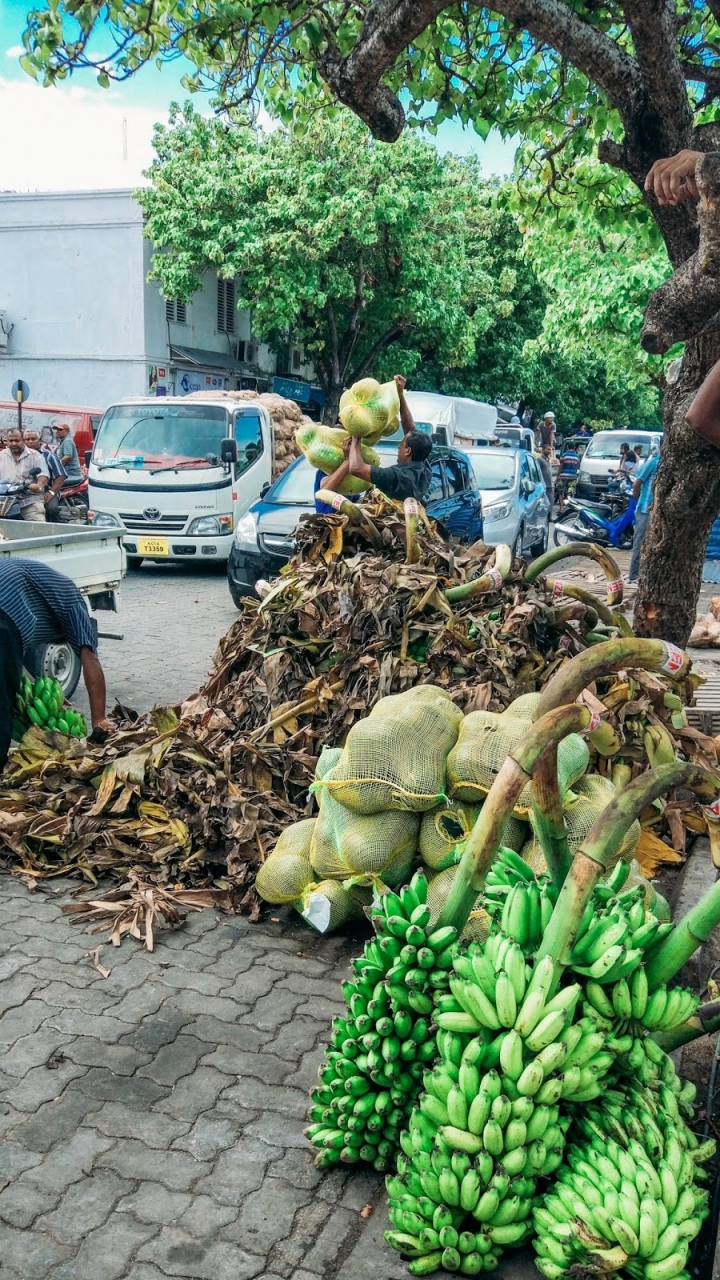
83, 423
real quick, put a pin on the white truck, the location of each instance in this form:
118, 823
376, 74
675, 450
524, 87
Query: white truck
95, 561
462, 420
174, 475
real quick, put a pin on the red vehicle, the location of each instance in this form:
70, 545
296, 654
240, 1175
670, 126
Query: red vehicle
83, 423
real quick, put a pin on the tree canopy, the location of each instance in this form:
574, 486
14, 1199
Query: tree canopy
350, 248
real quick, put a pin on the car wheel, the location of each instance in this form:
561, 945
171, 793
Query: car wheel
518, 544
540, 547
59, 661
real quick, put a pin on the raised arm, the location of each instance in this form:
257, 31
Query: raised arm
704, 412
406, 419
358, 466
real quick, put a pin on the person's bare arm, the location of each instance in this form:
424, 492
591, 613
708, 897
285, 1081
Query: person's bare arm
704, 412
94, 678
673, 179
637, 489
407, 421
357, 465
340, 472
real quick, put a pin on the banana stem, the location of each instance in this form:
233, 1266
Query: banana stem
586, 551
412, 522
485, 837
580, 671
567, 590
492, 580
705, 1022
354, 513
602, 843
548, 819
694, 929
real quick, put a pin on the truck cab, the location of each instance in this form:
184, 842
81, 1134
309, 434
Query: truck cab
176, 475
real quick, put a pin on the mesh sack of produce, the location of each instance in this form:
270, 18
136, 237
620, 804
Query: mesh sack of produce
532, 853
376, 844
439, 886
525, 707
584, 805
326, 905
484, 741
370, 408
327, 760
444, 828
322, 447
395, 759
286, 872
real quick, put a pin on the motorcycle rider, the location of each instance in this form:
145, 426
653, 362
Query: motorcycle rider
16, 464
58, 474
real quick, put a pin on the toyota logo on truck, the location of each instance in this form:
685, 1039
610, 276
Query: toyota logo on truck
151, 513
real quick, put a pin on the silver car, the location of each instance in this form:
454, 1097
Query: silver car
516, 508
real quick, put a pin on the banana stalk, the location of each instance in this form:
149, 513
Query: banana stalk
568, 590
486, 836
412, 521
492, 580
354, 513
694, 929
549, 817
630, 651
586, 551
603, 842
705, 1022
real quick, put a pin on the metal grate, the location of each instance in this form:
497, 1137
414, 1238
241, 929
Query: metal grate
705, 715
162, 524
226, 306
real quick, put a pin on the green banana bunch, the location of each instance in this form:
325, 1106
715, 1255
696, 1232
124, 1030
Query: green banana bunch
372, 1071
659, 745
41, 703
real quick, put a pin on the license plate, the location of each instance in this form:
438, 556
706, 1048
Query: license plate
153, 547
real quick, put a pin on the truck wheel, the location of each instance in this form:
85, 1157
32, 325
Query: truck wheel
133, 563
59, 661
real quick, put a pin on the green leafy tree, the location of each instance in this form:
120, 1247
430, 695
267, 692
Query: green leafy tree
360, 253
631, 82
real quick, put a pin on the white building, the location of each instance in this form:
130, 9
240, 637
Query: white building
81, 324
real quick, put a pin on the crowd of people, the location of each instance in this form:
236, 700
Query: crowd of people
42, 468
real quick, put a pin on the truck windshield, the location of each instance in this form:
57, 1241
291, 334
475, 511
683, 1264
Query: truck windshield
606, 444
151, 436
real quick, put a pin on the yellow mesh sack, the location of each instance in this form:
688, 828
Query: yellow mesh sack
322, 447
583, 806
443, 829
285, 873
395, 759
369, 408
484, 742
327, 760
525, 707
532, 853
439, 886
326, 905
346, 844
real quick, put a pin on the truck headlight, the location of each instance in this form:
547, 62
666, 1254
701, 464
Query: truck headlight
246, 531
103, 520
210, 526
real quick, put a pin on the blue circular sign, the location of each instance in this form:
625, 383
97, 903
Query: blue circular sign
20, 391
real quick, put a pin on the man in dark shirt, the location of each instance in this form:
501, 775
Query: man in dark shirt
410, 477
39, 605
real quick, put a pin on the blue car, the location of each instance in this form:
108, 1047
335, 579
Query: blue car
263, 540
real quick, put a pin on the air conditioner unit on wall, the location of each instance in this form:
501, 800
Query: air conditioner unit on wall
5, 330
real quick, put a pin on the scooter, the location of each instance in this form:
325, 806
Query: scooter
73, 503
10, 492
619, 493
586, 525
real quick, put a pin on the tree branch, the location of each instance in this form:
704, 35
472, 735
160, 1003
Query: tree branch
652, 24
332, 323
683, 306
395, 331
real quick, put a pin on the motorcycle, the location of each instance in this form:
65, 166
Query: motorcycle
72, 504
11, 491
608, 524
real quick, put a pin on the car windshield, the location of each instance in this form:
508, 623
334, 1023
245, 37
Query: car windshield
294, 486
494, 470
607, 444
149, 436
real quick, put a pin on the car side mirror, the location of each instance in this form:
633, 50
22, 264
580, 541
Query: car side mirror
87, 456
265, 488
229, 452
439, 436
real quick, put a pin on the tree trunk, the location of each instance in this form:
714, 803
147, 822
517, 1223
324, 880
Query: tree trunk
332, 402
686, 502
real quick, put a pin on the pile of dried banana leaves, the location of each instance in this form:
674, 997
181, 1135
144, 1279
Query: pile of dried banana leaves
371, 603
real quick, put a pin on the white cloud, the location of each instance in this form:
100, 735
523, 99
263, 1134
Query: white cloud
15, 51
69, 139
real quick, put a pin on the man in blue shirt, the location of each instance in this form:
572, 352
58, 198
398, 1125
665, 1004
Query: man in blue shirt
67, 453
643, 492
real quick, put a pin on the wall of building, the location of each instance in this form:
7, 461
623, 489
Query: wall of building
71, 281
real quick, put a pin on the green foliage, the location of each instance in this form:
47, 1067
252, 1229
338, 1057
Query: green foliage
353, 248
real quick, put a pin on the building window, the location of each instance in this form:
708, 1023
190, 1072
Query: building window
297, 358
226, 306
175, 311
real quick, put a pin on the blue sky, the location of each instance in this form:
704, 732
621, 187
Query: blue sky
80, 136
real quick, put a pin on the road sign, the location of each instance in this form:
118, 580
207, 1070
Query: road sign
20, 391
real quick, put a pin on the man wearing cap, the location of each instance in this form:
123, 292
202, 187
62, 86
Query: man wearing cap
546, 431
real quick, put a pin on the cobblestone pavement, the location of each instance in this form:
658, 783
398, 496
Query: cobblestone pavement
151, 1122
